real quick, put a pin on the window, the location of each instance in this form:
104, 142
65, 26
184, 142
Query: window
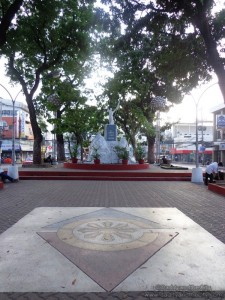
6, 112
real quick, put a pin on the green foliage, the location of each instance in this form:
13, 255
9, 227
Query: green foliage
140, 152
158, 53
95, 153
47, 35
80, 121
72, 145
42, 124
122, 152
74, 151
86, 143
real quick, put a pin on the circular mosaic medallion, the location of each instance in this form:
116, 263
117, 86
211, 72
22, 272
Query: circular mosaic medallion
107, 234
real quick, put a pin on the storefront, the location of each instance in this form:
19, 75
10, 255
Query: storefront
6, 150
22, 150
27, 149
188, 156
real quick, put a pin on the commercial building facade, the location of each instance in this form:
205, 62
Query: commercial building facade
23, 131
183, 145
219, 133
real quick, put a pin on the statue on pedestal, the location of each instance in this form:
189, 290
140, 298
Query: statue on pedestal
111, 113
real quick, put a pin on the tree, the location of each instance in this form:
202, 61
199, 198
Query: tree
7, 13
206, 26
139, 80
152, 61
48, 35
193, 24
57, 98
82, 121
66, 108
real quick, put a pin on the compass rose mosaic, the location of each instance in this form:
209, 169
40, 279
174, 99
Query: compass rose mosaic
107, 244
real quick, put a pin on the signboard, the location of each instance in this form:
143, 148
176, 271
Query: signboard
222, 146
202, 148
110, 132
220, 122
22, 124
7, 146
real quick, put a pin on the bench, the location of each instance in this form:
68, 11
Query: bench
167, 164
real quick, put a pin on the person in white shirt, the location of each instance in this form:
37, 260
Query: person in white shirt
4, 176
210, 171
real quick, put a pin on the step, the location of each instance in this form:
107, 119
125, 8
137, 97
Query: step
102, 174
106, 178
217, 188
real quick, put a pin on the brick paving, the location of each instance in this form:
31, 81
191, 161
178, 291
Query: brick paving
204, 207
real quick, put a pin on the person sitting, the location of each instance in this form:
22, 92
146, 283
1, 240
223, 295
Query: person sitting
164, 160
5, 176
211, 170
49, 159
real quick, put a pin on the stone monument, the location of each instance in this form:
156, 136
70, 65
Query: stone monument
106, 145
110, 132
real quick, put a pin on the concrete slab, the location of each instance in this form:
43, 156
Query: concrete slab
104, 249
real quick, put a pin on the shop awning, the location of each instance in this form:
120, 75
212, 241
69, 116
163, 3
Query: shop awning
184, 151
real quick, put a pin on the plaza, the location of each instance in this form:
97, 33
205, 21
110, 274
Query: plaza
169, 240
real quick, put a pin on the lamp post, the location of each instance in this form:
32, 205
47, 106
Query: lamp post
13, 170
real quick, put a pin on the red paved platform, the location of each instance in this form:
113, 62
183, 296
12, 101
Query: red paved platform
217, 188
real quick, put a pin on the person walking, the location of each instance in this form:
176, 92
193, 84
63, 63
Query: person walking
211, 170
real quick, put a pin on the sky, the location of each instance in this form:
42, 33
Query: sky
5, 82
203, 98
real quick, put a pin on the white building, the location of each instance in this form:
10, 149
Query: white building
183, 136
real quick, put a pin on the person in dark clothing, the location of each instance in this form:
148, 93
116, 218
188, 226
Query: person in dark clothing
49, 159
164, 160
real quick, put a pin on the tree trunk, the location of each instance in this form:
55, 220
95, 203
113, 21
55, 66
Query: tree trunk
59, 139
151, 143
132, 141
6, 19
37, 150
60, 147
36, 131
